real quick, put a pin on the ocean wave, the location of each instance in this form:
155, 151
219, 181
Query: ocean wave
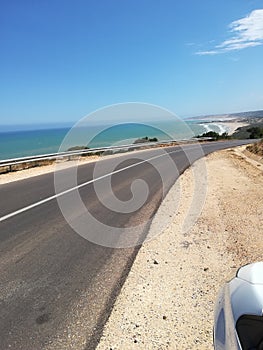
219, 128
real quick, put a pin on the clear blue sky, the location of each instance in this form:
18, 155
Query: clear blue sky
62, 59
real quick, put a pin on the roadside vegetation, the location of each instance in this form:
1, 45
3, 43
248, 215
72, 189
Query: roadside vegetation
255, 132
215, 136
145, 139
256, 148
252, 131
77, 148
85, 148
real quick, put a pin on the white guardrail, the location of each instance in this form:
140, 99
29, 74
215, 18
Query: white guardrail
8, 165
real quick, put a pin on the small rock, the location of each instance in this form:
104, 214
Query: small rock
155, 262
206, 269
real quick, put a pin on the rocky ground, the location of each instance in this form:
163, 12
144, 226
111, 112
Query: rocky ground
168, 299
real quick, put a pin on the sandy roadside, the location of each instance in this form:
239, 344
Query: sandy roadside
40, 170
168, 298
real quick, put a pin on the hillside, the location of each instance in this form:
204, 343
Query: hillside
256, 148
253, 130
250, 116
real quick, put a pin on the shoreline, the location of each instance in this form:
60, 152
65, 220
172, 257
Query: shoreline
229, 127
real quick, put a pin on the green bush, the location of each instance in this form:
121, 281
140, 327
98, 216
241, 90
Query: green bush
77, 148
145, 139
255, 132
215, 135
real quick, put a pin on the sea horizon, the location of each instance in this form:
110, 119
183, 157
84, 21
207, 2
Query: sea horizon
36, 139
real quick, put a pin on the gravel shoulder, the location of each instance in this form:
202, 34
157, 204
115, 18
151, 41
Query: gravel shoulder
168, 298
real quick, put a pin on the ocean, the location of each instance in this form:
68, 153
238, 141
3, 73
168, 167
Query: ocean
21, 143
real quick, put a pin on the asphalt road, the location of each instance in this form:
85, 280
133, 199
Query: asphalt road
56, 288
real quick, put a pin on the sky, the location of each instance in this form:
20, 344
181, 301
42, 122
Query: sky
62, 59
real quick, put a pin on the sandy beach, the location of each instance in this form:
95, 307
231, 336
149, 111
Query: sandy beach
167, 301
231, 126
228, 126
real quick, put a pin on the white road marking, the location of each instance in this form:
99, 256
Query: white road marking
43, 201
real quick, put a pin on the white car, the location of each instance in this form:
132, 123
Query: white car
239, 311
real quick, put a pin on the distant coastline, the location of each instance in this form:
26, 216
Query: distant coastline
21, 143
221, 127
28, 140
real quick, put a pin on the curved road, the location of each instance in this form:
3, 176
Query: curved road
56, 288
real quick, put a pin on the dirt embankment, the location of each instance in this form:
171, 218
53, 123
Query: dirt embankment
168, 299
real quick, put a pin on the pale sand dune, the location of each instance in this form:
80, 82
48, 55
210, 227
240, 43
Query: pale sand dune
231, 127
224, 126
168, 298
